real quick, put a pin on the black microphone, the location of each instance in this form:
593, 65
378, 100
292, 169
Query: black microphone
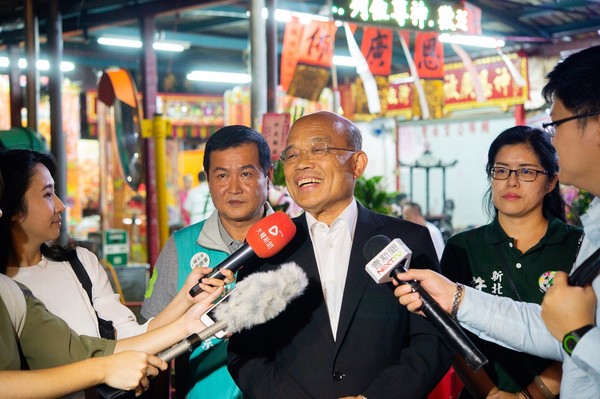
386, 256
264, 239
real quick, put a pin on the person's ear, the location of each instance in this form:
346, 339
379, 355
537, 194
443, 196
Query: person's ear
270, 176
552, 182
17, 217
360, 160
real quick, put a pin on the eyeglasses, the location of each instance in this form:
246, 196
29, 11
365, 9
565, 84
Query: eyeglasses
316, 150
550, 127
523, 174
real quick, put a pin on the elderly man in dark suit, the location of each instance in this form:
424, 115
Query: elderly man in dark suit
346, 337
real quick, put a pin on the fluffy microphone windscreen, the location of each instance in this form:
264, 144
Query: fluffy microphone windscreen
261, 296
270, 234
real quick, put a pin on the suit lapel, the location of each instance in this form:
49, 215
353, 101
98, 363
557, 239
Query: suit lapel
357, 278
306, 258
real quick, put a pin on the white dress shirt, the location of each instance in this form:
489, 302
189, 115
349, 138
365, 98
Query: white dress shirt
332, 246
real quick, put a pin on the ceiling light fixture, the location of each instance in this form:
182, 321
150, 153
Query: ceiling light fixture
166, 45
468, 40
42, 65
159, 45
120, 42
219, 77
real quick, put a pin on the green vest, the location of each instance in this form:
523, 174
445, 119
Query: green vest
208, 362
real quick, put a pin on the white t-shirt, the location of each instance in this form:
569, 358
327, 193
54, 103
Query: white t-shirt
56, 285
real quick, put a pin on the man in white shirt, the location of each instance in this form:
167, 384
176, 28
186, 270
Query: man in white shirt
198, 202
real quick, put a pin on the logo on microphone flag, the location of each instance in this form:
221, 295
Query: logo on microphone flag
271, 234
395, 253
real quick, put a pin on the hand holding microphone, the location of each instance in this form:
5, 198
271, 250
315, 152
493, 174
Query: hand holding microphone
391, 257
264, 239
257, 299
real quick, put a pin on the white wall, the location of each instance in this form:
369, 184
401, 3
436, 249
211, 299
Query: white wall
465, 140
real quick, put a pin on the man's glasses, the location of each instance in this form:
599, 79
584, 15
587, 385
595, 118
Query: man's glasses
523, 174
316, 150
550, 127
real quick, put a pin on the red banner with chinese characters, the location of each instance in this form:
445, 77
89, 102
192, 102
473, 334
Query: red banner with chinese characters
292, 36
315, 55
500, 88
429, 56
377, 47
317, 44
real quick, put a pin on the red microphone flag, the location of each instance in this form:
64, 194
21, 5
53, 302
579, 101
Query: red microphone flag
269, 235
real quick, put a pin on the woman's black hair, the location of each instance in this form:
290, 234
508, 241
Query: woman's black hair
17, 167
539, 141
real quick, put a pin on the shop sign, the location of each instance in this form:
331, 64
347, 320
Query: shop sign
191, 116
114, 245
418, 15
501, 89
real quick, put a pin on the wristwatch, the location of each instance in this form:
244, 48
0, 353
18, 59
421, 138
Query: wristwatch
571, 339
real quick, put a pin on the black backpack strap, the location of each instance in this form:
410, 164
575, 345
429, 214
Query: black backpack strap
587, 271
105, 327
81, 274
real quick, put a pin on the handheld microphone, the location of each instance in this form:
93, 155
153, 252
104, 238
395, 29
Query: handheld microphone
257, 299
264, 239
390, 258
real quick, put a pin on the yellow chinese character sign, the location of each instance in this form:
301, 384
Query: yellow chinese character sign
407, 14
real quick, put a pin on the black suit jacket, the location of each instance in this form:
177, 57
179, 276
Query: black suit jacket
381, 350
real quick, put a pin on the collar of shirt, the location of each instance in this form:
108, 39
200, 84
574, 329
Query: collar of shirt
348, 215
591, 229
232, 244
556, 233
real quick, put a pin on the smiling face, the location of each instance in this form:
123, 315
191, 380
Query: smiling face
41, 220
323, 186
238, 185
515, 198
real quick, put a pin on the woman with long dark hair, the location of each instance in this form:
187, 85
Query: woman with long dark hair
517, 253
60, 362
28, 230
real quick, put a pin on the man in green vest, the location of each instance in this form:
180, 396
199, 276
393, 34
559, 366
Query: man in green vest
237, 161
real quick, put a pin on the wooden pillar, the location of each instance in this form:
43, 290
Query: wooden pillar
14, 87
149, 91
258, 60
32, 46
272, 57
